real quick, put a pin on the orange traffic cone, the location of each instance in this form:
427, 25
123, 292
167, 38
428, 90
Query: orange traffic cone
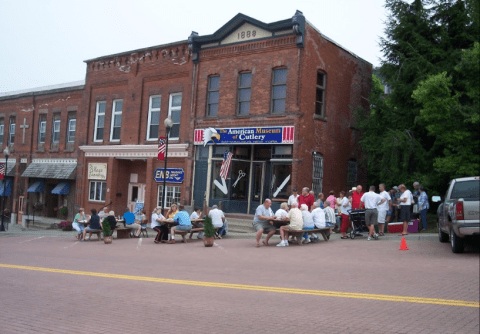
403, 245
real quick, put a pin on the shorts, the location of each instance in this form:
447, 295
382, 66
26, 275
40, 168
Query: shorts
183, 227
382, 215
389, 212
266, 226
91, 229
308, 227
371, 217
405, 213
328, 224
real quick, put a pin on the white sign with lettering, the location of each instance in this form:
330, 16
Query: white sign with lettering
97, 171
245, 33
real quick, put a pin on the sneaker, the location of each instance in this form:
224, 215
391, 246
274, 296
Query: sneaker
306, 241
286, 243
369, 239
282, 244
314, 236
375, 236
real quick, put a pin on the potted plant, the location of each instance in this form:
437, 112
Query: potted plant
208, 232
64, 211
107, 232
65, 225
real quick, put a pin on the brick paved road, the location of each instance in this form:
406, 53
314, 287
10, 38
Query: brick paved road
59, 302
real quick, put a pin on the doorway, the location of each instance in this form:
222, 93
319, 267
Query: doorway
136, 192
257, 181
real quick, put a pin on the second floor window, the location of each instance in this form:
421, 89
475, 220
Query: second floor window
42, 128
174, 109
56, 129
153, 117
320, 98
2, 130
99, 121
279, 90
116, 120
11, 133
72, 128
213, 95
244, 92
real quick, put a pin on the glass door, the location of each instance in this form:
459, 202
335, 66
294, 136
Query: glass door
136, 192
258, 170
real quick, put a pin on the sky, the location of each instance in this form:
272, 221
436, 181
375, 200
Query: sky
45, 42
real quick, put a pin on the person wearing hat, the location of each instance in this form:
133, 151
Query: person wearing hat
111, 220
293, 198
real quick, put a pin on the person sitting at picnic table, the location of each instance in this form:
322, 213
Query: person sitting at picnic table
103, 212
172, 211
196, 214
80, 216
129, 218
318, 216
320, 201
263, 221
156, 225
218, 220
94, 224
184, 224
111, 220
296, 224
307, 222
281, 213
329, 216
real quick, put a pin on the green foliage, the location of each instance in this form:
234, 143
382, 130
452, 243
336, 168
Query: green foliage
426, 130
208, 229
107, 231
64, 211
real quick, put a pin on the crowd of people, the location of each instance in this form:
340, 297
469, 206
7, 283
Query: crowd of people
305, 212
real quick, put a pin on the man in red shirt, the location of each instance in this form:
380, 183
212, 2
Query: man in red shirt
306, 198
356, 197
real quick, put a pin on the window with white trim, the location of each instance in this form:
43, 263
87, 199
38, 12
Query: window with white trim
42, 128
99, 121
172, 195
317, 177
153, 117
72, 128
11, 133
56, 128
98, 191
174, 109
116, 120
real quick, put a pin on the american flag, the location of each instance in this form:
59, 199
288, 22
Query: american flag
161, 148
2, 171
227, 159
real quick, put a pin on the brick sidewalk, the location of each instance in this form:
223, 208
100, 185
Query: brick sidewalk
44, 302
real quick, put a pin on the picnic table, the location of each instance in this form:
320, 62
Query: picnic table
324, 231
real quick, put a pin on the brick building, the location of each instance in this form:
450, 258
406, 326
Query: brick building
280, 97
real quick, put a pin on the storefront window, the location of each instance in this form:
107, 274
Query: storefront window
240, 175
262, 152
98, 191
281, 180
172, 195
216, 192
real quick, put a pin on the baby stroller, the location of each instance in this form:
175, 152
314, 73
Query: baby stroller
357, 218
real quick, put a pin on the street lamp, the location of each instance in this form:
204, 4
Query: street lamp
168, 126
6, 151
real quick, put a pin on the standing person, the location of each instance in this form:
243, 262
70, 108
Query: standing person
329, 216
218, 220
331, 198
423, 206
356, 198
79, 227
305, 198
196, 214
95, 224
371, 201
263, 220
156, 225
184, 224
383, 209
130, 222
320, 201
391, 214
296, 224
405, 205
293, 198
345, 207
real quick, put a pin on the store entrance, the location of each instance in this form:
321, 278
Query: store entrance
256, 185
136, 192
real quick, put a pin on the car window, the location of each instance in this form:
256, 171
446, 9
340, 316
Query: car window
468, 190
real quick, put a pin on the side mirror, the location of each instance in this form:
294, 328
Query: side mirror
436, 198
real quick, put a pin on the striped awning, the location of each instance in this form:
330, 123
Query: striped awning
62, 188
36, 187
7, 186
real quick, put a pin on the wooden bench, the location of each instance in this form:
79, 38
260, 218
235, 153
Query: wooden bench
97, 232
192, 231
123, 232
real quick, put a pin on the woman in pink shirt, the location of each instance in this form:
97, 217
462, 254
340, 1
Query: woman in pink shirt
331, 198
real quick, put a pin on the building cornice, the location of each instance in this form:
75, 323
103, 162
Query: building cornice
133, 151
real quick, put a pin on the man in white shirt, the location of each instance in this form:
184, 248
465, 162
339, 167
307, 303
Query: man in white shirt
263, 220
318, 216
405, 204
371, 201
293, 198
383, 209
218, 218
197, 212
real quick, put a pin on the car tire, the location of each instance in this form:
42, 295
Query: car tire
442, 236
456, 242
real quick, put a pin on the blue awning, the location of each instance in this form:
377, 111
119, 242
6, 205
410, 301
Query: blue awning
37, 187
7, 185
62, 188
